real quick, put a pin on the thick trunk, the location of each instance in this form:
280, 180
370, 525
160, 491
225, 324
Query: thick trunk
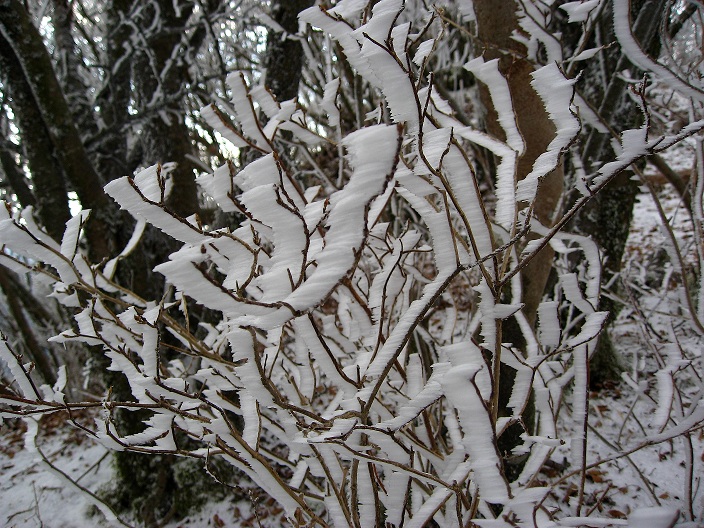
110, 149
49, 195
607, 217
284, 55
147, 485
160, 77
22, 38
68, 68
17, 28
496, 23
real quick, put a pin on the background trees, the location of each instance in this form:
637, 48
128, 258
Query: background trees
92, 91
372, 298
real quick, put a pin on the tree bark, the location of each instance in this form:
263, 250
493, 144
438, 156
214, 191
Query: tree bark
607, 217
159, 76
18, 30
284, 55
110, 149
47, 176
496, 23
25, 42
146, 485
68, 67
38, 355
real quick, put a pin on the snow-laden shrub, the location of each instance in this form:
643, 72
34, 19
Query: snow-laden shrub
354, 368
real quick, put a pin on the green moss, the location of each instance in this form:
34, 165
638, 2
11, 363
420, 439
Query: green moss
153, 489
195, 487
605, 363
139, 488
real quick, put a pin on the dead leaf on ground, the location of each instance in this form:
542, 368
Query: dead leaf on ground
595, 475
617, 514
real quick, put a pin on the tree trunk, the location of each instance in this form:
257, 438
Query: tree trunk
496, 23
21, 38
37, 354
607, 217
68, 68
284, 55
110, 149
159, 78
47, 176
147, 485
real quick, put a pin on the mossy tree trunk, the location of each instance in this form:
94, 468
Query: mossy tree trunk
607, 217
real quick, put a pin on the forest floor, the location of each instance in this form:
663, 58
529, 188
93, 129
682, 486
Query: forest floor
621, 415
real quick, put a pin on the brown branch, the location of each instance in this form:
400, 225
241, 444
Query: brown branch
678, 182
38, 354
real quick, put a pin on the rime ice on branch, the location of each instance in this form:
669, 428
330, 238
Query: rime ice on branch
361, 327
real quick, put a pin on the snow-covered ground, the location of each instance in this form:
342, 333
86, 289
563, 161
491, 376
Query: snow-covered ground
32, 495
621, 415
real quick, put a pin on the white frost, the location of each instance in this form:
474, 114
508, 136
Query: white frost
478, 437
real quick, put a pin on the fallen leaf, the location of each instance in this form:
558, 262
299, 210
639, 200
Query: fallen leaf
617, 514
572, 489
595, 475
